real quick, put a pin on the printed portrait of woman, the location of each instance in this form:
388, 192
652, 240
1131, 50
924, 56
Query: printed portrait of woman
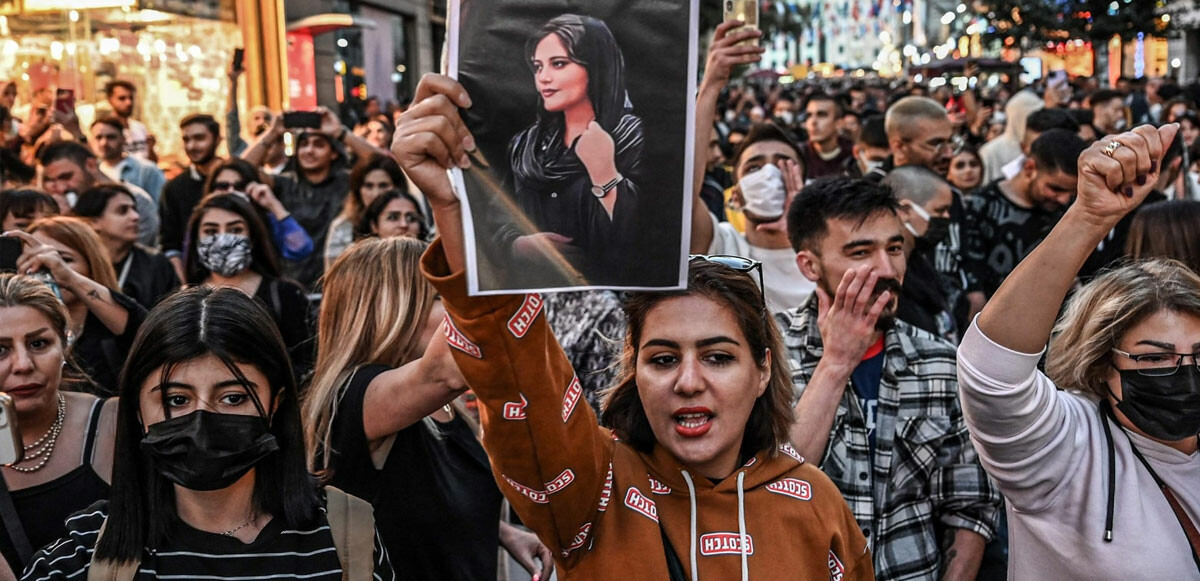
575, 169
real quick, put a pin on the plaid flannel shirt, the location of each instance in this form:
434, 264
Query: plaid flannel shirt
925, 477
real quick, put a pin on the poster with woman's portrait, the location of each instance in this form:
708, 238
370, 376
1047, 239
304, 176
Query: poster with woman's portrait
583, 120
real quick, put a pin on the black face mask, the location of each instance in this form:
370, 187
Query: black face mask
208, 451
937, 231
1166, 408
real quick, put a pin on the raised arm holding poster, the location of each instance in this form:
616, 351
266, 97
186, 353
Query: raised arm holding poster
583, 122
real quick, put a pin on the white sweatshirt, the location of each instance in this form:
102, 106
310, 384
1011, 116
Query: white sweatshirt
1047, 451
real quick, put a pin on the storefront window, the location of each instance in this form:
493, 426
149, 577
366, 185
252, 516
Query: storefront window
177, 63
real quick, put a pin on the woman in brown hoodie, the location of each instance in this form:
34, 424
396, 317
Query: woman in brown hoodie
694, 477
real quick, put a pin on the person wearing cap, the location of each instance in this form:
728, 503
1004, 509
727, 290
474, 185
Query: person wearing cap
315, 183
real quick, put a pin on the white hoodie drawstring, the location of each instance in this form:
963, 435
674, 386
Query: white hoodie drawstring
741, 524
692, 497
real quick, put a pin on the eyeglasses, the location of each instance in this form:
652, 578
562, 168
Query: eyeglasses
1159, 364
741, 264
228, 186
954, 145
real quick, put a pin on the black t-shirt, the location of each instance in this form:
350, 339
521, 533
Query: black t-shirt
314, 206
148, 276
998, 234
436, 504
100, 352
289, 306
179, 198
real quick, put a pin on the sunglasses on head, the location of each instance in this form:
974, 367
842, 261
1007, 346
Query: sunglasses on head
739, 263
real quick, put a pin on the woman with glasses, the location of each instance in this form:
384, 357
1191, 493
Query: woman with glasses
230, 247
1098, 456
393, 213
238, 176
692, 475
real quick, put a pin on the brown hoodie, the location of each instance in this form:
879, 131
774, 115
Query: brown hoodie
602, 507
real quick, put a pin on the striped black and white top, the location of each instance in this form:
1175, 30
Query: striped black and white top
279, 553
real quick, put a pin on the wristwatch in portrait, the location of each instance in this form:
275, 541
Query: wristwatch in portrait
601, 191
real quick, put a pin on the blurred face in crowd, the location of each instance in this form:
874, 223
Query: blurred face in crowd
1189, 130
928, 143
869, 156
108, 142
1108, 115
63, 175
820, 120
849, 127
784, 110
199, 143
562, 82
121, 101
8, 96
1171, 115
261, 117
13, 222
119, 221
994, 130
858, 99
205, 384
965, 171
378, 134
697, 380
228, 180
31, 359
877, 244
757, 115
1049, 189
399, 218
761, 153
315, 153
375, 183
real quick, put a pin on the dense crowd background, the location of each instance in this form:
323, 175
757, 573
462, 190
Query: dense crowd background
335, 337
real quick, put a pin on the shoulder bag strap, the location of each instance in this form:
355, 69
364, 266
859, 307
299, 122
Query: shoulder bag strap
352, 524
12, 525
106, 570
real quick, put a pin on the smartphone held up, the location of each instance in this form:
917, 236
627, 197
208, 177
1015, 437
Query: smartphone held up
11, 450
743, 11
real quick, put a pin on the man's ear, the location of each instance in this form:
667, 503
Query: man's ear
1029, 168
809, 264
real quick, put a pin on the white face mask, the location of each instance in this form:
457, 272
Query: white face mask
786, 117
869, 165
763, 192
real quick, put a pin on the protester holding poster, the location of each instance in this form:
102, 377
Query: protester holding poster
696, 427
559, 195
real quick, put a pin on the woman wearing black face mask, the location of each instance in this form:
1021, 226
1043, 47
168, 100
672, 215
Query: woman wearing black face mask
210, 479
1099, 457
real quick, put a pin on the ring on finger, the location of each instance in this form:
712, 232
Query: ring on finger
1112, 147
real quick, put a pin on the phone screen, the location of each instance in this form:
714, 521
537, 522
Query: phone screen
301, 119
64, 100
11, 449
238, 56
10, 251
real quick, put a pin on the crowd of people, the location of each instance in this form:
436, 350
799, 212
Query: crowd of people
926, 334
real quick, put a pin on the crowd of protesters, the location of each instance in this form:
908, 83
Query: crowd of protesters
926, 334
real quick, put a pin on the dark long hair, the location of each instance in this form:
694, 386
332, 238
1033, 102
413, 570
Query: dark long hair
262, 251
245, 171
371, 214
770, 418
191, 324
590, 44
354, 206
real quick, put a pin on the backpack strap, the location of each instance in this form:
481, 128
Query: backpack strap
352, 523
106, 570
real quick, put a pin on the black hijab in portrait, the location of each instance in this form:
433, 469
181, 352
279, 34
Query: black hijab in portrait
538, 155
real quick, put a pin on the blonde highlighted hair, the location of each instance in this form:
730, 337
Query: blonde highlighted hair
374, 309
80, 237
1080, 354
18, 290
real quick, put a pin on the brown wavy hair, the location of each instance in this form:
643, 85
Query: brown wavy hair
80, 237
771, 417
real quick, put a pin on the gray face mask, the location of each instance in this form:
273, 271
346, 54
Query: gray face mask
224, 254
